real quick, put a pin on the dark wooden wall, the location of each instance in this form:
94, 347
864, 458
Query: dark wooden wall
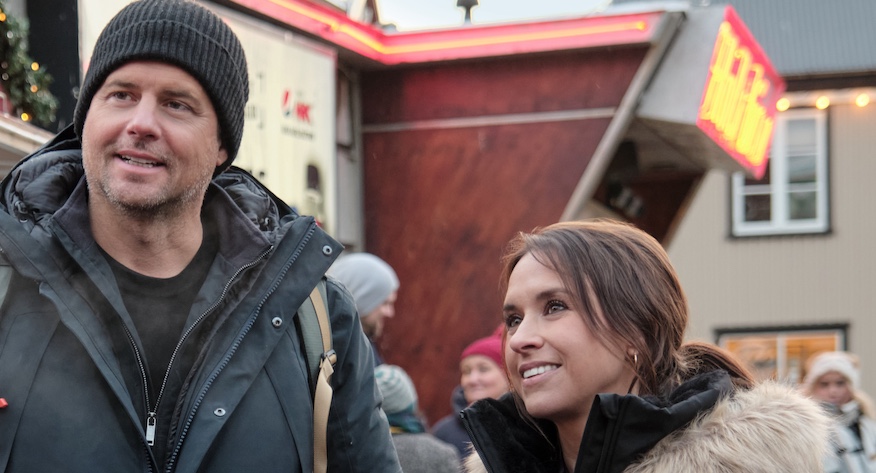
442, 201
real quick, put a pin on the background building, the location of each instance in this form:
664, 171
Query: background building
472, 134
782, 267
432, 148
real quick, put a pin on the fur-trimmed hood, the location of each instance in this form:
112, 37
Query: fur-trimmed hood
768, 429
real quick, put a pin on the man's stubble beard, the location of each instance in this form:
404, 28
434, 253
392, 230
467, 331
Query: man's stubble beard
162, 207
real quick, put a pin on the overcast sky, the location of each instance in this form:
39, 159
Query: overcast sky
425, 14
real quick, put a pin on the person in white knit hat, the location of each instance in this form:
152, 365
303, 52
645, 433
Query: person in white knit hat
833, 378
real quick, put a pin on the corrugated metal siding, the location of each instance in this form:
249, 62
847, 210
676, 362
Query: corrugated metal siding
812, 37
812, 279
808, 37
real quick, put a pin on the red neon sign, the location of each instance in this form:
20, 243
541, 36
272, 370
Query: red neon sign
474, 41
738, 107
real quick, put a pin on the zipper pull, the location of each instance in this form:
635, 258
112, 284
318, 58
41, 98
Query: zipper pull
150, 429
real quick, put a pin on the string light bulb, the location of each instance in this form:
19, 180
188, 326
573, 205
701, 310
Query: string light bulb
821, 100
783, 104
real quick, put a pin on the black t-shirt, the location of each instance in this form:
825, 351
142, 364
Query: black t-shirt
159, 309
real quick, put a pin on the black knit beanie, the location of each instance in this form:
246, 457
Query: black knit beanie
184, 34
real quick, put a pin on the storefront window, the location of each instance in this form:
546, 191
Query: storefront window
792, 197
781, 354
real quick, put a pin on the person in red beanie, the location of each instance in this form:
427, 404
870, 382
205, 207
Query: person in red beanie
482, 376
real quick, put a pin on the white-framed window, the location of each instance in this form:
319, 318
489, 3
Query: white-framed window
792, 197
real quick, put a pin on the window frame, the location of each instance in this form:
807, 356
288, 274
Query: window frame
784, 364
778, 187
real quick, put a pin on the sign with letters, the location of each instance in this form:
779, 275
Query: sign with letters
289, 134
738, 105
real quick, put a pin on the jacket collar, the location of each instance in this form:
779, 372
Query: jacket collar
770, 427
506, 441
619, 430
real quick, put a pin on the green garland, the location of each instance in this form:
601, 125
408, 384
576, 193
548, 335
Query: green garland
23, 79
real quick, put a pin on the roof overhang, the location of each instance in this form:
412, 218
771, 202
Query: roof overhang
390, 48
715, 94
735, 87
704, 96
17, 140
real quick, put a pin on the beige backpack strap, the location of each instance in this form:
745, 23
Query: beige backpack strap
322, 397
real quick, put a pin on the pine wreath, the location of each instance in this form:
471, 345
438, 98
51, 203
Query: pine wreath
23, 79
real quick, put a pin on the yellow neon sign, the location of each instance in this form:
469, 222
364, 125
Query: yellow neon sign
732, 104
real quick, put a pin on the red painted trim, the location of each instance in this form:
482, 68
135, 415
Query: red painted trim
468, 42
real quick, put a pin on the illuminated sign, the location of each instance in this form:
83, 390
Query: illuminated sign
509, 38
738, 107
289, 138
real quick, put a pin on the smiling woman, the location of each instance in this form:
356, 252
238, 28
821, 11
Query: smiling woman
601, 380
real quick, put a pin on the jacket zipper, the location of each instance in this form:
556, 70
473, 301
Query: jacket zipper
145, 391
152, 411
172, 459
184, 432
150, 418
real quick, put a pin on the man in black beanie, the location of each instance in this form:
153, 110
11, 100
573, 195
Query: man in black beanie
149, 321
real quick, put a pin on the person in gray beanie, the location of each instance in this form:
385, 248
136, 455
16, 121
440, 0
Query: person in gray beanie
418, 450
151, 289
374, 286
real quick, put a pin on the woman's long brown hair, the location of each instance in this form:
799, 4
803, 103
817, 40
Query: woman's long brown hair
617, 270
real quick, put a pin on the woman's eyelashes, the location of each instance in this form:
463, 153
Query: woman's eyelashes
554, 306
513, 319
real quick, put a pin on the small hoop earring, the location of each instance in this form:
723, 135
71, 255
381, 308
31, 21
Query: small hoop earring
635, 370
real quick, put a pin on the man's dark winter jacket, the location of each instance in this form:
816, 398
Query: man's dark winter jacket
70, 365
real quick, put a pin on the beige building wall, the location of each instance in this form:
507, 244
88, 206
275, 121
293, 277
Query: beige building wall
791, 280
